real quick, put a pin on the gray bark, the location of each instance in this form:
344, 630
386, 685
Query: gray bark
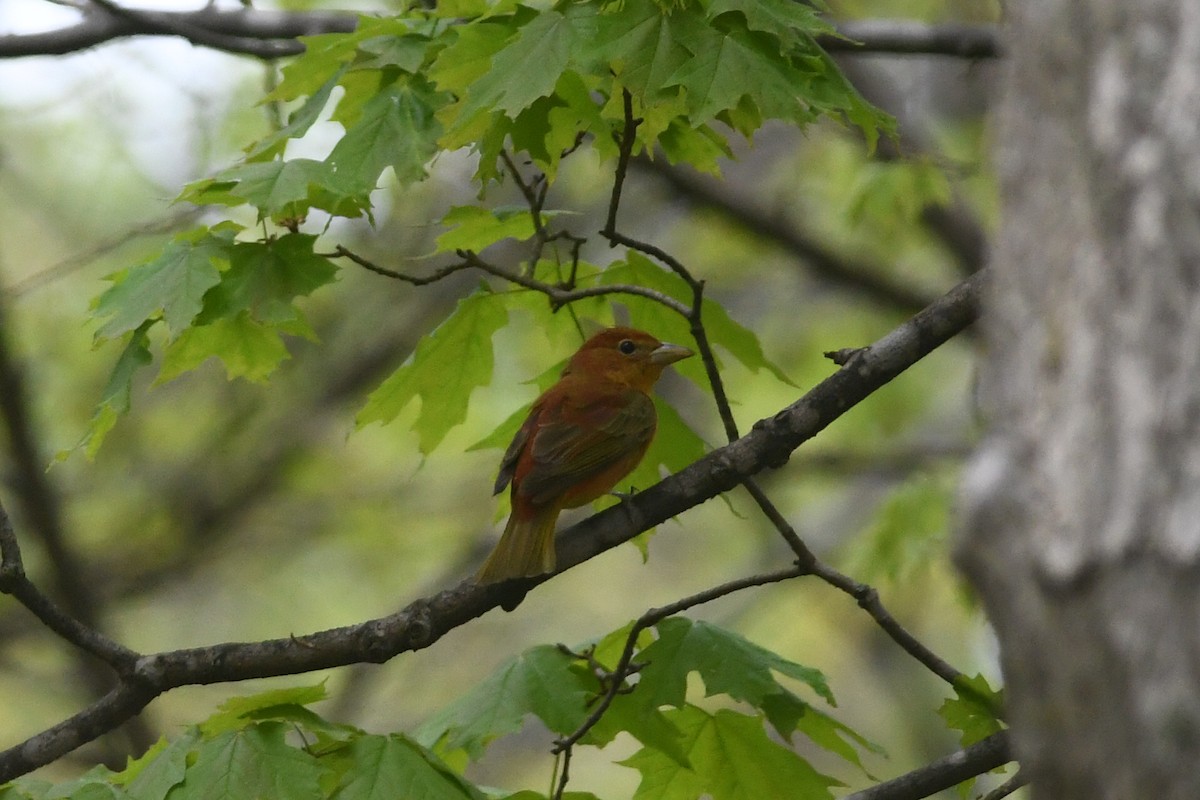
1082, 509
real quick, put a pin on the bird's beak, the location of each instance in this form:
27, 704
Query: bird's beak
668, 354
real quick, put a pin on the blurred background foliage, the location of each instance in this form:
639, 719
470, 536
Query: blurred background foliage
221, 510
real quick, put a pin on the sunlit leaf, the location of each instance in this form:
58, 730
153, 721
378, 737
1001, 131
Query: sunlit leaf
397, 129
475, 228
539, 681
239, 712
247, 348
265, 278
160, 769
389, 767
252, 762
173, 284
446, 367
731, 758
728, 664
973, 710
115, 400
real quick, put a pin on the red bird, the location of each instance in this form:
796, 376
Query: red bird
583, 434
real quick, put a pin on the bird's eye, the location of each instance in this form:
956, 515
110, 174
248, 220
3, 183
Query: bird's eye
627, 346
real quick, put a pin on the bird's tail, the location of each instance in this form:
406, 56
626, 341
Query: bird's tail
525, 549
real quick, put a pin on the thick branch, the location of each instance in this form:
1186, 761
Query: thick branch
423, 622
981, 757
270, 34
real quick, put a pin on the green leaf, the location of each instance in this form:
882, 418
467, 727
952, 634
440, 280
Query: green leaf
277, 189
172, 285
90, 787
731, 758
159, 770
540, 681
787, 714
247, 348
325, 56
115, 400
397, 128
716, 78
445, 368
785, 19
252, 762
645, 46
728, 663
406, 52
700, 147
469, 56
298, 123
475, 228
909, 530
891, 196
650, 726
237, 713
529, 65
265, 278
974, 710
389, 767
25, 789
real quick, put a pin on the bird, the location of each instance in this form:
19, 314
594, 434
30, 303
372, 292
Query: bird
581, 436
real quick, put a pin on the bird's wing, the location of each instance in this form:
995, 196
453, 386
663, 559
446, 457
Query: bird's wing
574, 443
508, 464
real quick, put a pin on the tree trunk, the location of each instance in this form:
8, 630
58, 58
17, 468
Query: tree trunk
1082, 529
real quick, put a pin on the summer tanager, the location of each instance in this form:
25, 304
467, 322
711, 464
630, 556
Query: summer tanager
583, 434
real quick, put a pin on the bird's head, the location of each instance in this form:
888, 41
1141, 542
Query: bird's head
626, 355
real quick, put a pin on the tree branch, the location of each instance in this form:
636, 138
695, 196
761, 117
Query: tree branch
269, 34
260, 33
821, 262
908, 37
981, 757
423, 622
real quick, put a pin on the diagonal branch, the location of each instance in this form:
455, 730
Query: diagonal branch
14, 582
751, 215
944, 773
423, 622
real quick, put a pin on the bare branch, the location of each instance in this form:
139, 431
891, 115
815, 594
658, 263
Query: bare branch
907, 37
981, 757
625, 144
269, 34
246, 31
14, 582
820, 261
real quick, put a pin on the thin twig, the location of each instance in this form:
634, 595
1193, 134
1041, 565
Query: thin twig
14, 582
560, 296
343, 252
624, 154
1008, 787
868, 599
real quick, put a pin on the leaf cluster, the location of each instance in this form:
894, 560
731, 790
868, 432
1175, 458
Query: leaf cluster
512, 83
